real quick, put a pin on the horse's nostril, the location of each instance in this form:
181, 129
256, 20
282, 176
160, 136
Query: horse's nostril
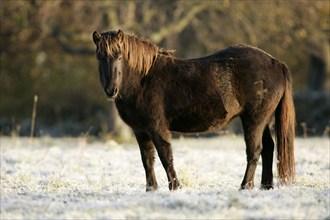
111, 92
106, 90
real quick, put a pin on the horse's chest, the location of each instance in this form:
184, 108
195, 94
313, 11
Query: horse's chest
132, 116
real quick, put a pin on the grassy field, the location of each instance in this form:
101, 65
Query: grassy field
75, 179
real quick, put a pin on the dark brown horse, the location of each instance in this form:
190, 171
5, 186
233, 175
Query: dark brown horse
156, 93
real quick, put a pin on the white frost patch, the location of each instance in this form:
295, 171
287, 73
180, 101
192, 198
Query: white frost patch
73, 179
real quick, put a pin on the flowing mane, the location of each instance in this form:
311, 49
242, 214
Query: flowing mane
139, 53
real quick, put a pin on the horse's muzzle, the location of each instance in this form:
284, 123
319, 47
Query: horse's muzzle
111, 93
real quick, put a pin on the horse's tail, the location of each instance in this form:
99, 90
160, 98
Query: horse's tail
285, 122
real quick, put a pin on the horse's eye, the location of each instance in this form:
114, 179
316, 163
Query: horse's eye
117, 55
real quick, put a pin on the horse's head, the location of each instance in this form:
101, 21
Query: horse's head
109, 56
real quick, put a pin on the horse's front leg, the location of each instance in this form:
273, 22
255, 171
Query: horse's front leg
165, 153
147, 150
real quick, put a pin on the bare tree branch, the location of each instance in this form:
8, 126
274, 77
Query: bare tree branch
179, 25
66, 47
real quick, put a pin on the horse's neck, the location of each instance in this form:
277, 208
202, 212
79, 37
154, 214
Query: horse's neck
174, 66
130, 82
166, 65
163, 69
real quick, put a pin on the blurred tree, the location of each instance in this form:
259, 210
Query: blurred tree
46, 48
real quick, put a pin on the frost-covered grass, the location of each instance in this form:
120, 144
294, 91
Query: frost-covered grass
73, 179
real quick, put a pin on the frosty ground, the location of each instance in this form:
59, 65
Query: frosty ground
80, 179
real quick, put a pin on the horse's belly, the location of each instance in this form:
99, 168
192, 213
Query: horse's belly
197, 122
185, 126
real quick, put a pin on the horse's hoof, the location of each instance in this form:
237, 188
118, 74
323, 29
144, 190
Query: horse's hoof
174, 184
248, 186
151, 188
267, 186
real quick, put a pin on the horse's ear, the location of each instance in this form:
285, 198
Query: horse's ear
120, 35
96, 37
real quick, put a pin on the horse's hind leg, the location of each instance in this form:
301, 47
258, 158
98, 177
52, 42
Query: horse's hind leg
253, 136
147, 150
165, 154
267, 159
